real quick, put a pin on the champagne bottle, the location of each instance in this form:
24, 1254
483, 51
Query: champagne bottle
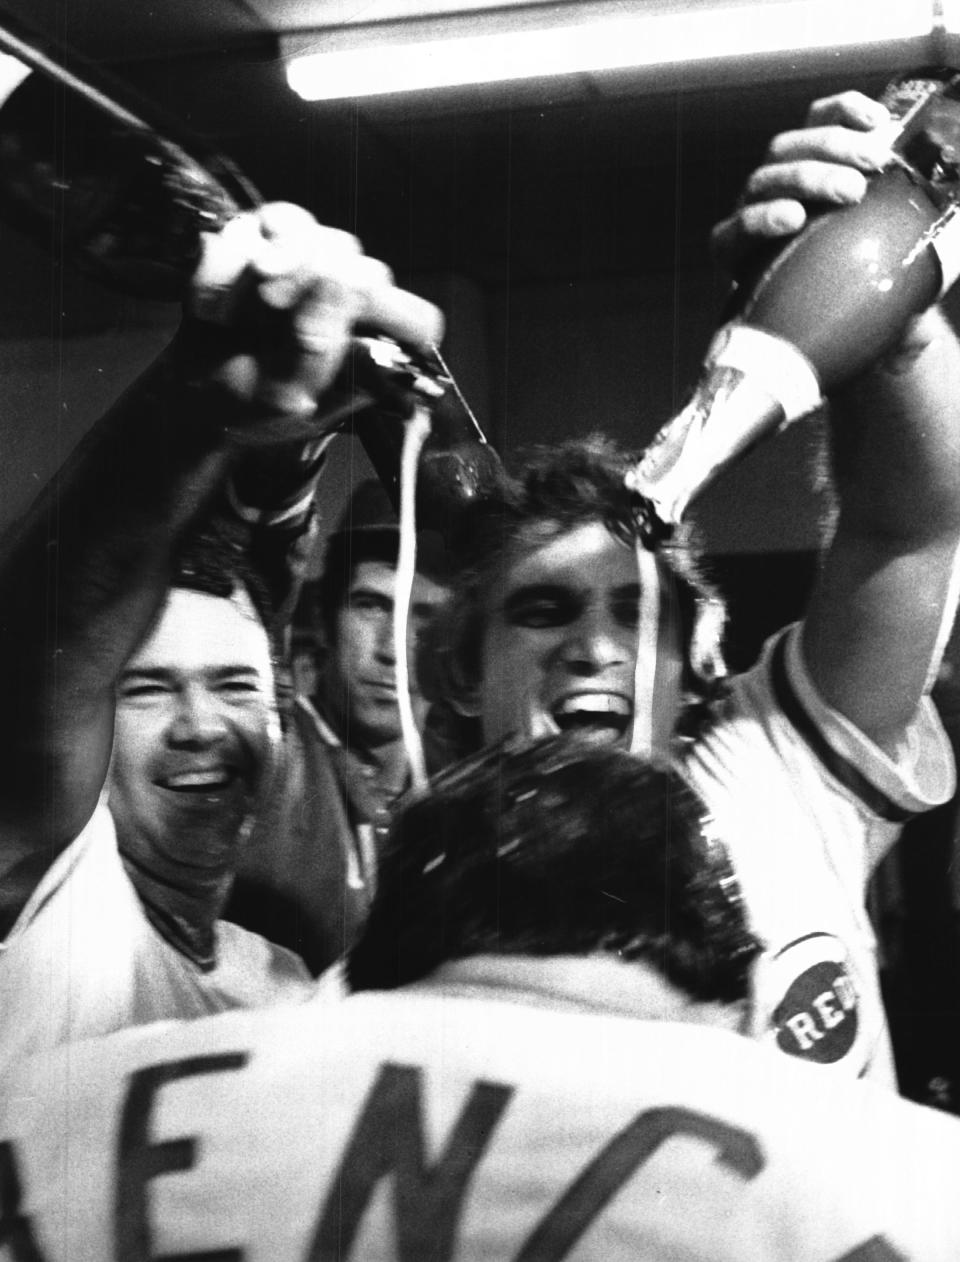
457, 464
831, 302
126, 195
105, 186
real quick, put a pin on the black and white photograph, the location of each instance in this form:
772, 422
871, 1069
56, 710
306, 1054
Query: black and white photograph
479, 692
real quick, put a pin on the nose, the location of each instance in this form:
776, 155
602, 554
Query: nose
384, 642
595, 642
198, 721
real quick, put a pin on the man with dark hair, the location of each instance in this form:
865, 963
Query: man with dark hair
356, 692
308, 871
529, 857
115, 677
570, 615
541, 1061
559, 490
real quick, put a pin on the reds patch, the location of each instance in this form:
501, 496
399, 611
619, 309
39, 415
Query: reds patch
817, 1015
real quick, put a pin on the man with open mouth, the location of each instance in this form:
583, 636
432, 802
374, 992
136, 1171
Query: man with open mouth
570, 615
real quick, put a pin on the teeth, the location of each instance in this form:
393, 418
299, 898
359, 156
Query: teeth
197, 780
595, 703
596, 713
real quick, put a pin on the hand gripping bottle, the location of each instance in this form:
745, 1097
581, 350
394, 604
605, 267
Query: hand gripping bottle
832, 301
125, 193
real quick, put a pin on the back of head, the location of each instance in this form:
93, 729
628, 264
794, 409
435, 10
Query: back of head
564, 847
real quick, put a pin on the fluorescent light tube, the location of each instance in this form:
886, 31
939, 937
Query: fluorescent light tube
402, 64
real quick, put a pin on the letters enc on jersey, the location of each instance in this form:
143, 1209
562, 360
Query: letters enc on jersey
388, 1143
273, 1146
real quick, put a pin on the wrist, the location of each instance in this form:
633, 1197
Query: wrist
273, 485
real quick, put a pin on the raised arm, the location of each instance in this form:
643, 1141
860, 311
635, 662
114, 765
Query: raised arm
272, 309
886, 596
874, 626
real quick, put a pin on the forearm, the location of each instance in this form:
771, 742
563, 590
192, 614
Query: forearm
83, 573
273, 491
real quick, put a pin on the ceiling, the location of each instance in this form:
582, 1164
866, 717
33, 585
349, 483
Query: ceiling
559, 179
550, 188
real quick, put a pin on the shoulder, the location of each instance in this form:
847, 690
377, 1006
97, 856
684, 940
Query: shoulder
253, 972
776, 704
89, 863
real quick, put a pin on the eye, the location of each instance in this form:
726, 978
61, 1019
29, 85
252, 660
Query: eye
142, 690
626, 610
370, 602
239, 686
541, 611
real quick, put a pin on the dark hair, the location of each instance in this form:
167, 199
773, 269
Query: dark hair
215, 558
345, 551
558, 489
560, 848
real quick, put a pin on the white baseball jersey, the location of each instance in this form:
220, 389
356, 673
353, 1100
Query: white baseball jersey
415, 1125
82, 958
808, 806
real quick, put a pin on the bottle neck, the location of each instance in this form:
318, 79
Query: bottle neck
753, 384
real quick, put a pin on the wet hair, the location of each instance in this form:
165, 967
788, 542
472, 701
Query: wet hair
557, 490
564, 847
215, 558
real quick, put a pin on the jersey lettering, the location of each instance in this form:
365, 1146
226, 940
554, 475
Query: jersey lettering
817, 1018
388, 1138
16, 1233
139, 1160
555, 1236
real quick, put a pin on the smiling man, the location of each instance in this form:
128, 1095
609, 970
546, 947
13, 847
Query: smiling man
135, 653
560, 649
195, 718
123, 927
812, 760
195, 742
540, 635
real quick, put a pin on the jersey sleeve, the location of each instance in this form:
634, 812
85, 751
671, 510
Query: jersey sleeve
921, 776
272, 502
